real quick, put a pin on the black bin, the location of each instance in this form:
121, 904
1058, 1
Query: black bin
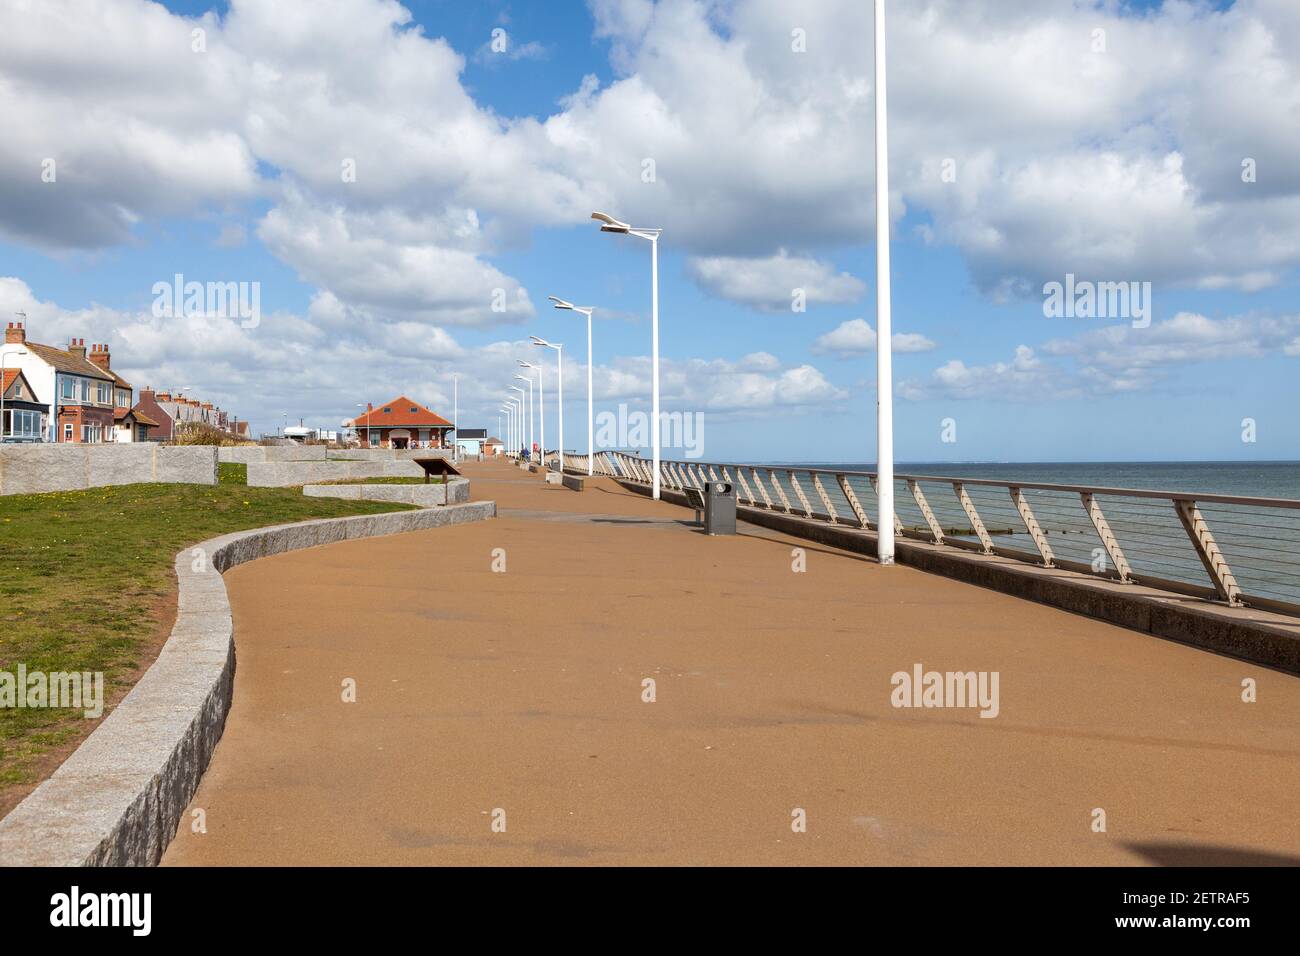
719, 508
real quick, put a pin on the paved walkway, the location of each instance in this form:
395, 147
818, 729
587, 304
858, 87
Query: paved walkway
523, 691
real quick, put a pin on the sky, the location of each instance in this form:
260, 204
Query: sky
405, 184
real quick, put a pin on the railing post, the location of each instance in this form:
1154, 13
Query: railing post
898, 522
758, 483
1108, 540
740, 478
935, 528
973, 516
798, 490
826, 499
858, 511
1225, 582
780, 492
1031, 525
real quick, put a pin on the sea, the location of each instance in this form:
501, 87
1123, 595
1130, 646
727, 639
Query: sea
1260, 543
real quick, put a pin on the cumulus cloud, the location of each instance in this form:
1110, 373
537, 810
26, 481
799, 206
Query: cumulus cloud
771, 284
1122, 163
1111, 360
857, 337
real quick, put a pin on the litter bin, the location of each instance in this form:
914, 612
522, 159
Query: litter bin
719, 508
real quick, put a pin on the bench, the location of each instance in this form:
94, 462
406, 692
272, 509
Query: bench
694, 499
437, 466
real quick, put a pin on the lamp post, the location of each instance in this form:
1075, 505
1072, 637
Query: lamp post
541, 407
559, 401
526, 433
511, 426
610, 224
455, 416
591, 416
884, 320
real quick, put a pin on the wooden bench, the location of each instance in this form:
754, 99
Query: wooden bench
436, 466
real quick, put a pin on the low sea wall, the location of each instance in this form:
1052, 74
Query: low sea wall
35, 468
280, 474
455, 491
119, 799
247, 454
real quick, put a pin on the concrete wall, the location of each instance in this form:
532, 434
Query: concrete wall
35, 468
247, 454
455, 491
118, 800
387, 454
280, 474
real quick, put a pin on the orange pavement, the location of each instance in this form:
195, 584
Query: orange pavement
522, 691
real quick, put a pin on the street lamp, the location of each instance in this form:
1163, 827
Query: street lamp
508, 407
559, 401
529, 436
591, 417
541, 406
610, 224
884, 320
455, 416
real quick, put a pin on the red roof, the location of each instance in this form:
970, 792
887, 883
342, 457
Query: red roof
401, 412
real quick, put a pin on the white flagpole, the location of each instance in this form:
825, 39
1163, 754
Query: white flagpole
884, 357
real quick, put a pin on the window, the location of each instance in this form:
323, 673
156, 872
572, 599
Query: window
67, 431
413, 408
103, 393
85, 390
123, 398
374, 440
68, 388
388, 411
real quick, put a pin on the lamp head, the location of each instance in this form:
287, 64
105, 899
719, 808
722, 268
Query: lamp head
610, 224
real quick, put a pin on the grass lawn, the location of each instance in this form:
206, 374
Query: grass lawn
86, 584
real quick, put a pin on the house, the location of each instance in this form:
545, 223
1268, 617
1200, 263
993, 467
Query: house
79, 393
401, 423
493, 447
470, 440
149, 408
25, 415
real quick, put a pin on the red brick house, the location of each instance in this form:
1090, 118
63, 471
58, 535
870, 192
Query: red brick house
401, 423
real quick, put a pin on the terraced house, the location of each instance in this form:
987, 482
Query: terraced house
80, 392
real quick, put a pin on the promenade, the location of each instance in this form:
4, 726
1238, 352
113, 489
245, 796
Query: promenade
522, 690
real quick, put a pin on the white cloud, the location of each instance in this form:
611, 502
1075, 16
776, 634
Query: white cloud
770, 284
857, 337
1025, 378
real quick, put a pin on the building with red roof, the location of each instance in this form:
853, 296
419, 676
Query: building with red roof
401, 423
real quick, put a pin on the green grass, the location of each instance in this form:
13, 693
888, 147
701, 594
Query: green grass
84, 574
400, 480
232, 473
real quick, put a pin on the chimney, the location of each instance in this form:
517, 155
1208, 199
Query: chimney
164, 396
99, 356
15, 334
77, 347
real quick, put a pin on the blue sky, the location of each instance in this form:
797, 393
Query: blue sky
1106, 164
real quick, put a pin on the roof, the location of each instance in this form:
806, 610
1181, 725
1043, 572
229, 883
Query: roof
493, 441
67, 362
13, 374
401, 412
121, 382
120, 414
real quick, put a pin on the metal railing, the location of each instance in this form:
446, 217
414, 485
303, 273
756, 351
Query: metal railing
1161, 539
